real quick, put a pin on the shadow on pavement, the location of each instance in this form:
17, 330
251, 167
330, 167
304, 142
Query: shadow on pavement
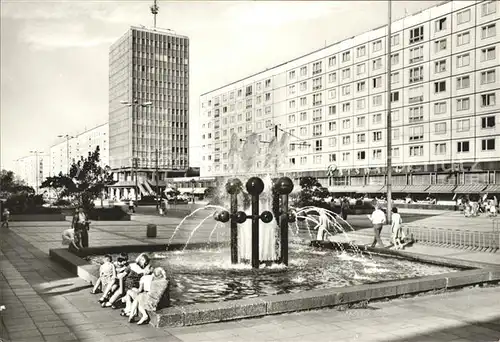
73, 290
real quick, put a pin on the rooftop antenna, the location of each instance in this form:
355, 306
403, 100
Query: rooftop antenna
154, 10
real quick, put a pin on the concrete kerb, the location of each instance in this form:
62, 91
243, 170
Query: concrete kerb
474, 273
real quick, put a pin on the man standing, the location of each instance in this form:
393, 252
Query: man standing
378, 220
81, 225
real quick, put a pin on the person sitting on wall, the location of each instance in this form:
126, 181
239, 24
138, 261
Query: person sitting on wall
131, 295
122, 270
107, 276
156, 298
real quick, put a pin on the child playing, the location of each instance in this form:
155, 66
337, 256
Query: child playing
107, 276
396, 229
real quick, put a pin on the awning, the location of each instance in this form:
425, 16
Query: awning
123, 184
394, 188
492, 188
197, 191
441, 188
342, 189
470, 188
415, 188
369, 189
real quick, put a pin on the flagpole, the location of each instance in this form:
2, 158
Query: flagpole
389, 116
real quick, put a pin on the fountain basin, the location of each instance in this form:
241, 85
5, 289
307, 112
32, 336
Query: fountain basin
464, 273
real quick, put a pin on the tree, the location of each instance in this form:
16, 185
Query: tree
85, 182
9, 185
312, 193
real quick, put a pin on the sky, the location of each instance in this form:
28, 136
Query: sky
54, 54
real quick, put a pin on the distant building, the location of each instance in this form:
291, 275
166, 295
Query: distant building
150, 68
33, 170
332, 106
66, 152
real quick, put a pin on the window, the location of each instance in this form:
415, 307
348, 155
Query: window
440, 149
377, 82
395, 133
488, 31
416, 74
416, 151
361, 155
332, 157
291, 90
303, 71
318, 145
303, 131
346, 107
440, 86
303, 116
440, 24
440, 66
267, 83
332, 77
463, 60
416, 133
291, 104
439, 107
258, 99
439, 45
303, 86
291, 118
317, 83
361, 138
361, 86
395, 115
416, 34
267, 110
395, 59
463, 82
332, 61
360, 68
395, 152
377, 154
488, 7
488, 121
416, 114
463, 125
395, 77
291, 74
332, 126
377, 46
346, 56
346, 90
463, 104
360, 104
268, 96
346, 124
416, 94
346, 140
317, 99
361, 51
377, 100
463, 38
488, 100
332, 142
463, 17
360, 121
395, 40
317, 114
488, 76
317, 67
416, 54
248, 91
463, 146
395, 96
346, 156
487, 144
332, 110
317, 159
377, 64
346, 73
303, 160
377, 136
488, 54
303, 101
440, 128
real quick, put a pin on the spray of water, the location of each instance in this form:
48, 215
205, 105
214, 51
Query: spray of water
194, 231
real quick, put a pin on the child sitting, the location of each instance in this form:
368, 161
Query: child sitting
122, 270
107, 276
398, 236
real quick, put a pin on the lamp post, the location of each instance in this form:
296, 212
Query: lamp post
389, 117
135, 104
67, 136
193, 182
37, 169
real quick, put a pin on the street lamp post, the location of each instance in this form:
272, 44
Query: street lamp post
67, 136
193, 182
389, 117
37, 169
135, 104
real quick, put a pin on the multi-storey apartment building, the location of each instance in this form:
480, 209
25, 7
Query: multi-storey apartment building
148, 69
67, 151
332, 104
33, 169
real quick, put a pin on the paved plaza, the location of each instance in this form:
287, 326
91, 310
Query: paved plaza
44, 302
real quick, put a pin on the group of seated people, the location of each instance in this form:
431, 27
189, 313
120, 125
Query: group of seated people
138, 285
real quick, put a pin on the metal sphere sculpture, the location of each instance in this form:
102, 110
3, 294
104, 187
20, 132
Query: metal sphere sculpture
266, 216
255, 186
240, 216
284, 186
233, 186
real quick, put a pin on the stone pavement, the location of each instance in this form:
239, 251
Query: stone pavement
46, 303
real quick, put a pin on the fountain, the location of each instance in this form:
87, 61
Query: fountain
255, 186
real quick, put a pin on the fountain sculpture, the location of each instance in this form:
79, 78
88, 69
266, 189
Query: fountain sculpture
255, 186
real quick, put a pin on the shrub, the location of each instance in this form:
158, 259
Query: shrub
109, 214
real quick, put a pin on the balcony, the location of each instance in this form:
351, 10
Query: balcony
416, 59
316, 87
415, 79
416, 137
317, 103
317, 134
317, 118
416, 99
317, 71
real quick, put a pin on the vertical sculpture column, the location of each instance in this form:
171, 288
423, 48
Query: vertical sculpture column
284, 187
255, 186
233, 188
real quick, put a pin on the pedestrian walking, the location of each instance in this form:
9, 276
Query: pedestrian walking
378, 219
344, 208
5, 218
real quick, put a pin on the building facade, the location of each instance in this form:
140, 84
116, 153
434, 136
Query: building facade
33, 170
325, 114
149, 68
64, 153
